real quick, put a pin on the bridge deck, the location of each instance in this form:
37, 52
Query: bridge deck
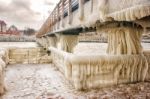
74, 13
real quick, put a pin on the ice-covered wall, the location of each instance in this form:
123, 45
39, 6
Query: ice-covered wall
147, 55
96, 71
59, 57
18, 55
28, 56
3, 62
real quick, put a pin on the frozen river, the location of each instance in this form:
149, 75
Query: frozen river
18, 44
81, 48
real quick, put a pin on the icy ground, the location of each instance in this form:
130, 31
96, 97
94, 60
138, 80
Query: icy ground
46, 82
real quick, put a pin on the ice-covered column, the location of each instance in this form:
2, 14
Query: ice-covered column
68, 42
44, 42
39, 41
124, 40
52, 41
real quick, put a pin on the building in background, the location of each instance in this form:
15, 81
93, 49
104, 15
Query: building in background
3, 27
13, 30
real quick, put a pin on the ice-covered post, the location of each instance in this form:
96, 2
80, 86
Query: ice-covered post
68, 42
52, 40
39, 40
44, 42
125, 39
69, 38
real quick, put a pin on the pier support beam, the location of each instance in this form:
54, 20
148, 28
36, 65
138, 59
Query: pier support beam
39, 41
52, 41
44, 42
68, 42
124, 40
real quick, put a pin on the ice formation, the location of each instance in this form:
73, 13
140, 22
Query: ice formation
125, 62
68, 42
52, 41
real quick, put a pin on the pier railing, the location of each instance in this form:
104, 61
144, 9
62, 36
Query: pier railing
56, 20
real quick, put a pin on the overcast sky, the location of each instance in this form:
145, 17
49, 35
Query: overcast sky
26, 13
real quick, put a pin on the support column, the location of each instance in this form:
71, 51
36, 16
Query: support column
68, 42
47, 42
52, 41
39, 41
124, 40
44, 42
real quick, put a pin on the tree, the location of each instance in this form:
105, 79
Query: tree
29, 31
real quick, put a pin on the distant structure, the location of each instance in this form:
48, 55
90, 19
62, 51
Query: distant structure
12, 30
13, 34
3, 27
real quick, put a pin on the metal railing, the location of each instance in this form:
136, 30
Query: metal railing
63, 9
